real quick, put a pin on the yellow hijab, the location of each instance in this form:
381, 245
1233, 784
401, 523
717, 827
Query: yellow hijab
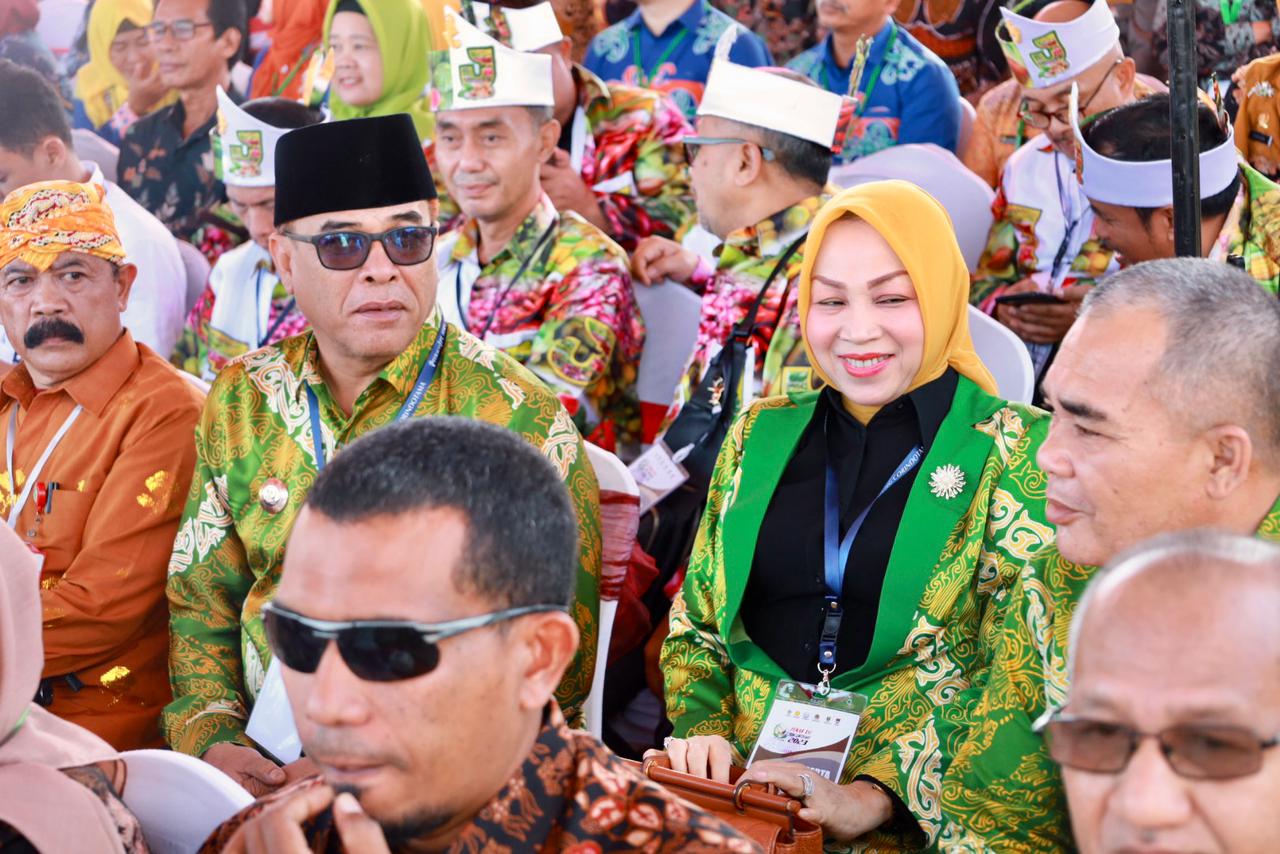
99, 86
918, 229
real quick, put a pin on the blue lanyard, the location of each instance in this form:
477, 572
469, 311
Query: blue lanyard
836, 555
410, 406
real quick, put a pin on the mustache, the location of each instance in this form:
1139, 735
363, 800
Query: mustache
53, 328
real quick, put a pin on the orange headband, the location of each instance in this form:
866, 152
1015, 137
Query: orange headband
41, 221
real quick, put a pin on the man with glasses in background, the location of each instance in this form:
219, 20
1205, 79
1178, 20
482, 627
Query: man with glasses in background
355, 213
422, 683
1042, 255
1168, 738
1166, 418
166, 163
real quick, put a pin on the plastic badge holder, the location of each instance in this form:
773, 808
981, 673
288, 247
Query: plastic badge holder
806, 727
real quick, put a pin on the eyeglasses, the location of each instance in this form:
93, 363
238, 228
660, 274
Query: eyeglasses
374, 650
1040, 120
184, 29
348, 250
1195, 751
693, 143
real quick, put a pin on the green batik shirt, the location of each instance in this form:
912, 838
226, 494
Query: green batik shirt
229, 548
1250, 238
570, 316
1028, 678
943, 604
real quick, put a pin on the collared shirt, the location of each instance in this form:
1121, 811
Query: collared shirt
106, 531
172, 176
675, 61
227, 557
571, 794
570, 317
787, 26
244, 306
1246, 240
626, 144
913, 98
746, 259
159, 293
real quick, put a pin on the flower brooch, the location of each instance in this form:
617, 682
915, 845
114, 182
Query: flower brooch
946, 481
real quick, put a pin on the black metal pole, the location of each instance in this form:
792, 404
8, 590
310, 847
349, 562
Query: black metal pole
1185, 139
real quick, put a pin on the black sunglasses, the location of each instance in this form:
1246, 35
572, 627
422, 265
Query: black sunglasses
1194, 751
374, 650
348, 250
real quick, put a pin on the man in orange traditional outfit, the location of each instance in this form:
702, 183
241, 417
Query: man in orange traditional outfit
97, 431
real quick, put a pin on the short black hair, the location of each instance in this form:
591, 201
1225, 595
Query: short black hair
230, 15
32, 110
281, 113
522, 534
1139, 133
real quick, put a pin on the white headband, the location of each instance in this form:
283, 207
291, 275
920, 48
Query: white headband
482, 72
246, 147
1146, 183
1043, 54
525, 29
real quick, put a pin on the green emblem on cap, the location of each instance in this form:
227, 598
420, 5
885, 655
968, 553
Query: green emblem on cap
1051, 58
245, 155
477, 78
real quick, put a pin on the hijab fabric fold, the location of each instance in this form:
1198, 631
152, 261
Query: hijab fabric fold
404, 43
919, 230
296, 26
46, 807
99, 86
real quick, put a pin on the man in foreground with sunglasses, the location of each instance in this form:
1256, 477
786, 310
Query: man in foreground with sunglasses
1042, 241
422, 683
1166, 418
1168, 739
355, 217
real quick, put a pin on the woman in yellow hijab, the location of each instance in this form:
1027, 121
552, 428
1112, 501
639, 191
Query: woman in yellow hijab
858, 540
119, 84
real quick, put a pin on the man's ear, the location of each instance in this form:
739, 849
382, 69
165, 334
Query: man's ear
1126, 73
229, 43
1231, 456
548, 139
281, 249
749, 164
125, 277
548, 642
50, 153
1162, 224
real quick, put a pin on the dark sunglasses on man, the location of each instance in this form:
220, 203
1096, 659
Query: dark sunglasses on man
1194, 751
374, 650
348, 250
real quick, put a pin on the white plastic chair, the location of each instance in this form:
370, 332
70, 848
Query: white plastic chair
671, 312
1005, 356
619, 517
178, 799
197, 267
968, 115
940, 173
89, 146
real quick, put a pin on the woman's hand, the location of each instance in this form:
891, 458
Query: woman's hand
843, 812
708, 756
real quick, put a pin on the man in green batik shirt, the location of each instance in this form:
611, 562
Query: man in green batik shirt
353, 242
1165, 420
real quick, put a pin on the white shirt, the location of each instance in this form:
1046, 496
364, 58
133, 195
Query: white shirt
158, 299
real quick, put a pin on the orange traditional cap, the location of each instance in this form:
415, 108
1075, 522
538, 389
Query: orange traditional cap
41, 221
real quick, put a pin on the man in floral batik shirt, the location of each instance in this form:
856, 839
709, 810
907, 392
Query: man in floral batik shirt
545, 286
245, 305
353, 243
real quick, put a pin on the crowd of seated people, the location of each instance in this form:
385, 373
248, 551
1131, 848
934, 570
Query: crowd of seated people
328, 326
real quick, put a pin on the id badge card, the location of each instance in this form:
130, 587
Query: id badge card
658, 474
271, 722
804, 726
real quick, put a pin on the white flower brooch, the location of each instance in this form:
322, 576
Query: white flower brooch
946, 481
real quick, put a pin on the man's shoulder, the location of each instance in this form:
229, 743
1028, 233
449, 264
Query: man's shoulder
808, 61
139, 228
270, 367
1031, 160
584, 240
164, 389
467, 357
150, 124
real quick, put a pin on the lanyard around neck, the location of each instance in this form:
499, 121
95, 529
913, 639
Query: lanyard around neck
410, 405
836, 549
20, 501
502, 297
645, 78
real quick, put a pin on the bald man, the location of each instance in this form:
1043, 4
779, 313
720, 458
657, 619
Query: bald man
1166, 418
999, 129
1042, 240
1167, 739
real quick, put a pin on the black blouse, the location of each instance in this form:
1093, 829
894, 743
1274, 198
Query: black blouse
784, 603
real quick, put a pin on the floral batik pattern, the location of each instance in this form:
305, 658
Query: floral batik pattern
229, 548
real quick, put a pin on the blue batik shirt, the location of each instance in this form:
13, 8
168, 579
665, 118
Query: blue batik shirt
677, 60
914, 97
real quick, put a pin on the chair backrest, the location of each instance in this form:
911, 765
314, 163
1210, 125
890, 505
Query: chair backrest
197, 267
1005, 355
968, 115
619, 521
89, 146
940, 173
178, 799
671, 312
